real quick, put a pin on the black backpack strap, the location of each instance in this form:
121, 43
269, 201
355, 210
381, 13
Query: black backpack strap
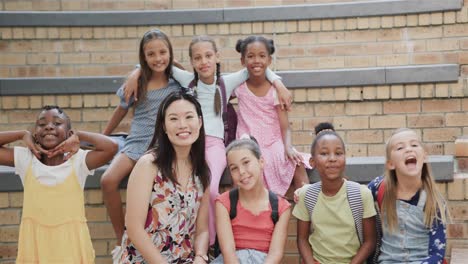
233, 199
274, 206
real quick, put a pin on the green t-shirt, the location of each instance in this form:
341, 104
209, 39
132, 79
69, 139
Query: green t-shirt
333, 238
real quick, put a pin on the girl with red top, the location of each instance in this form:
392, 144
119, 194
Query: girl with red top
251, 236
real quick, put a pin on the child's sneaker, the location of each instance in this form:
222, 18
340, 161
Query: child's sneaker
117, 253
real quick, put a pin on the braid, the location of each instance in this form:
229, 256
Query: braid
195, 77
217, 97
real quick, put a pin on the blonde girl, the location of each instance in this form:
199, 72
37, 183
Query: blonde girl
413, 210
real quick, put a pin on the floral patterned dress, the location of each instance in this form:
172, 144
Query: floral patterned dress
170, 221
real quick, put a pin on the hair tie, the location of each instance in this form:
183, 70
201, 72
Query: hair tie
245, 136
325, 130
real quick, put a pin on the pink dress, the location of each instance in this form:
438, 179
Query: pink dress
258, 117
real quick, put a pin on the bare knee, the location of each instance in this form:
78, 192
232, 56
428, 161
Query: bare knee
109, 183
117, 171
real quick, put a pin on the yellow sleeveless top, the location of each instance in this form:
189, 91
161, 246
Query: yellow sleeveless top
53, 226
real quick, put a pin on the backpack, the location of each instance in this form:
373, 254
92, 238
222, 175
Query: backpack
229, 114
353, 190
234, 198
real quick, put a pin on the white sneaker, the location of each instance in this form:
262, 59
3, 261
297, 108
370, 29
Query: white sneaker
117, 253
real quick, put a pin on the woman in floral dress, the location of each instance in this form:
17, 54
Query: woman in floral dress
167, 197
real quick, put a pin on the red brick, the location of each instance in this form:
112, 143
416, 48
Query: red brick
458, 210
457, 119
96, 214
302, 110
426, 121
4, 200
462, 165
9, 233
93, 197
101, 230
10, 217
376, 149
457, 230
349, 49
461, 146
356, 150
331, 109
8, 251
387, 121
22, 116
16, 199
434, 148
364, 136
295, 124
310, 123
302, 138
456, 190
344, 122
440, 134
444, 105
364, 108
291, 245
100, 247
426, 58
291, 259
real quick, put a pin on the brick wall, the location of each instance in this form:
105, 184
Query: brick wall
364, 116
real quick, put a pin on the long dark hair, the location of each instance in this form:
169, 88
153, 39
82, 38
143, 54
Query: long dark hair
146, 71
163, 150
205, 38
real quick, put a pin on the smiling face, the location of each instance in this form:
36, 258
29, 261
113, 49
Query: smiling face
246, 169
181, 123
204, 58
256, 58
329, 158
405, 154
157, 55
52, 128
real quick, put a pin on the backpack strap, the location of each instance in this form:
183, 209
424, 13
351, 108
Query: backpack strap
274, 206
233, 199
380, 194
311, 197
353, 190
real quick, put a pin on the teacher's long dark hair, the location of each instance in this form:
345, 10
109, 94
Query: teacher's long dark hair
163, 150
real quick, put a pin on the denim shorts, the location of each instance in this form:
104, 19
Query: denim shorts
245, 256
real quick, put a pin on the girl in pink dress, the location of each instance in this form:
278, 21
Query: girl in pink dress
260, 115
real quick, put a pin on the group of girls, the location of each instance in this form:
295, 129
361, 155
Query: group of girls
175, 155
